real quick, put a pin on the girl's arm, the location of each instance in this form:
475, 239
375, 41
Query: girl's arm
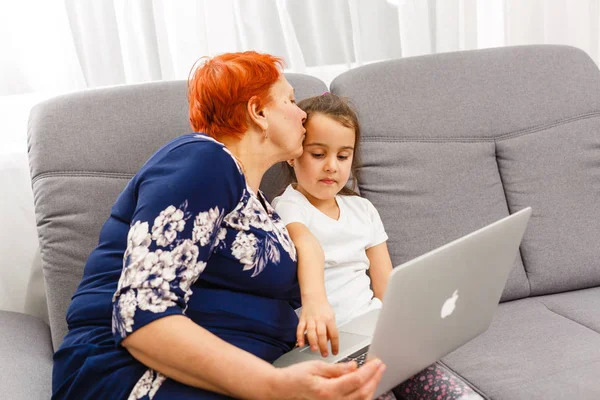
380, 268
317, 317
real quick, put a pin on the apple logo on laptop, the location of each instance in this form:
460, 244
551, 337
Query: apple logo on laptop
449, 304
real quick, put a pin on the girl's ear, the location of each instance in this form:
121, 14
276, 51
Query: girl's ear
257, 113
291, 163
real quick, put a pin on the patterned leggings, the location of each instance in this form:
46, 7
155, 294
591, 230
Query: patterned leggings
434, 382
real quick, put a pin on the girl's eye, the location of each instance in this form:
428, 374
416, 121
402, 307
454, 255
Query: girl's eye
293, 101
343, 158
317, 155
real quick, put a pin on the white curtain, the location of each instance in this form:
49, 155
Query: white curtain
48, 47
62, 45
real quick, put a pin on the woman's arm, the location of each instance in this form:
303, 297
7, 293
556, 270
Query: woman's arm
176, 224
317, 317
182, 350
380, 268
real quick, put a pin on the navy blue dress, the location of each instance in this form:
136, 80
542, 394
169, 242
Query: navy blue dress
186, 236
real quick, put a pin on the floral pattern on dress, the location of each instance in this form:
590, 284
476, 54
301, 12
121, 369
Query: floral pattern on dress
147, 385
252, 214
281, 233
156, 280
204, 225
167, 225
255, 253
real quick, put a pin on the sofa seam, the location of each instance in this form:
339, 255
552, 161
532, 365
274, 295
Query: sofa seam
500, 175
77, 174
541, 127
564, 316
526, 272
505, 136
510, 212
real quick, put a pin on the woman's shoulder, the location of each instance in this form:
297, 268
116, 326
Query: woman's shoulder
197, 153
198, 143
193, 162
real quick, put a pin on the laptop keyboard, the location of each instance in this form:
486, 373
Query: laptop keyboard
360, 357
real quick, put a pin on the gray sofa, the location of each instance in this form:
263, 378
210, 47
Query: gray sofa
451, 142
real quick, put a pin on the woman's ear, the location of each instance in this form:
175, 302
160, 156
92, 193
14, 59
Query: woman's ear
257, 113
291, 163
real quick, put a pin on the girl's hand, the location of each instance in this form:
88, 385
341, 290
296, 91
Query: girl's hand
320, 380
317, 319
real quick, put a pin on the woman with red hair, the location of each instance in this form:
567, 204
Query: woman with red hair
191, 291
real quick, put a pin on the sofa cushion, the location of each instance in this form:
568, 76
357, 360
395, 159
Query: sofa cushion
531, 352
581, 306
26, 357
454, 141
83, 149
428, 193
71, 209
555, 169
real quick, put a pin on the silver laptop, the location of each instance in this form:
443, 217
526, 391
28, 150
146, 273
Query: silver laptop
433, 304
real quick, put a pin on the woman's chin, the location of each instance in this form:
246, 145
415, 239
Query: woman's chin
297, 153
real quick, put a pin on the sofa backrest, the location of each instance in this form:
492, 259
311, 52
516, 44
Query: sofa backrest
83, 149
452, 142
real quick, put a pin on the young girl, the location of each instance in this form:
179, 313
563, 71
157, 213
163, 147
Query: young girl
339, 236
331, 225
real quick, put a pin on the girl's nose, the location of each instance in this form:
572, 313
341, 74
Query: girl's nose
330, 165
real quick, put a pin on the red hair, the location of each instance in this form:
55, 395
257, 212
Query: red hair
219, 91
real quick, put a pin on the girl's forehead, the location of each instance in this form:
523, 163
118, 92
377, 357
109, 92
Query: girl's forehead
325, 123
324, 131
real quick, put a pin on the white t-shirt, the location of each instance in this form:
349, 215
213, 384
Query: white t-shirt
344, 242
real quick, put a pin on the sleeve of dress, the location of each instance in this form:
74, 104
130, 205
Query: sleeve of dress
378, 234
182, 198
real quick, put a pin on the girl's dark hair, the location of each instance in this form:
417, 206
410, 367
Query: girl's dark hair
340, 110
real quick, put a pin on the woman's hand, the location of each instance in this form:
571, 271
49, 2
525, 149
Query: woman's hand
320, 380
317, 320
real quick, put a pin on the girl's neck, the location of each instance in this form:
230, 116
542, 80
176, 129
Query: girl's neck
328, 206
